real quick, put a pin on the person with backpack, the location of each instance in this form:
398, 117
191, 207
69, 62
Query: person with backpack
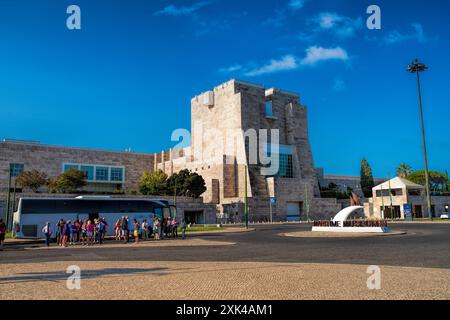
99, 231
65, 233
73, 234
47, 231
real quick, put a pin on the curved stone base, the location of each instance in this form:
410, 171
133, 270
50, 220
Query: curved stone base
352, 229
318, 234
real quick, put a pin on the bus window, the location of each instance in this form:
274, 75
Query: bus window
158, 212
166, 212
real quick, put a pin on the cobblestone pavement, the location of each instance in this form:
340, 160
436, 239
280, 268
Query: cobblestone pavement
213, 280
262, 264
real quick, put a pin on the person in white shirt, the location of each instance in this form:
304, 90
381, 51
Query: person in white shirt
47, 231
144, 230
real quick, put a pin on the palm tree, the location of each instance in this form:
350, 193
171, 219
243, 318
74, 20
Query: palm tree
404, 170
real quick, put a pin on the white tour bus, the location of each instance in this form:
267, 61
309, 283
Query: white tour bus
33, 213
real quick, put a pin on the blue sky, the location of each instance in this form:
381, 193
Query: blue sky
126, 78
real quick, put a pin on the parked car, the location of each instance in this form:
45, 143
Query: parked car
445, 216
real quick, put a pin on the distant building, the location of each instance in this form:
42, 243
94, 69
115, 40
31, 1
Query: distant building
343, 183
388, 200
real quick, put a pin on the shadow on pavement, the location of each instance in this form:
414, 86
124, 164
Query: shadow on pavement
88, 274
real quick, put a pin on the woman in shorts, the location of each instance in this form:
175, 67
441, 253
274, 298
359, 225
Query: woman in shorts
136, 230
90, 232
117, 229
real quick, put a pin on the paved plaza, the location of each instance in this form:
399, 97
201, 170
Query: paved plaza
262, 264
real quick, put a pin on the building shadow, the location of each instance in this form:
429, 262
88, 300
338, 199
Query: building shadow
85, 274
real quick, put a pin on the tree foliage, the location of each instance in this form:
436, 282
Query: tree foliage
67, 182
186, 183
333, 191
367, 182
32, 180
404, 170
438, 181
154, 183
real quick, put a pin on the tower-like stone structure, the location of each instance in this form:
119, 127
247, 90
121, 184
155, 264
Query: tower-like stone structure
226, 123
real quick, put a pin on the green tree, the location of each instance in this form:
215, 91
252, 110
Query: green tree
154, 183
32, 180
178, 183
186, 183
438, 181
196, 185
69, 181
404, 170
367, 182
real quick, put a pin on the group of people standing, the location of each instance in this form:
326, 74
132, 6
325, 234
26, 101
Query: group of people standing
84, 232
156, 228
88, 232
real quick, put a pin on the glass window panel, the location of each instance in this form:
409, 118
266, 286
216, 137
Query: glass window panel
269, 109
16, 169
102, 173
117, 174
88, 171
68, 167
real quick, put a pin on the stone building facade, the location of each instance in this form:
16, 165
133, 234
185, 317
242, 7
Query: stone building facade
389, 200
228, 125
109, 171
226, 122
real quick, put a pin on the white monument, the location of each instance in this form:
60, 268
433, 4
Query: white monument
338, 223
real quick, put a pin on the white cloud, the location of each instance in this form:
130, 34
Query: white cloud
417, 34
288, 62
313, 55
316, 54
339, 25
231, 69
172, 10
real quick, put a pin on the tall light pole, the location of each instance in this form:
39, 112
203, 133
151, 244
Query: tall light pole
246, 198
417, 67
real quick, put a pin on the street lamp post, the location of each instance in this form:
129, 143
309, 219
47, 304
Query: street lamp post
246, 198
8, 198
417, 67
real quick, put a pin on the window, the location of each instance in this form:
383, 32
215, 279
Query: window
116, 174
68, 167
16, 169
286, 169
285, 162
269, 109
414, 192
101, 173
98, 173
396, 192
88, 171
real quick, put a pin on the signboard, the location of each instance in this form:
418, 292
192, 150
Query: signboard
407, 212
273, 200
